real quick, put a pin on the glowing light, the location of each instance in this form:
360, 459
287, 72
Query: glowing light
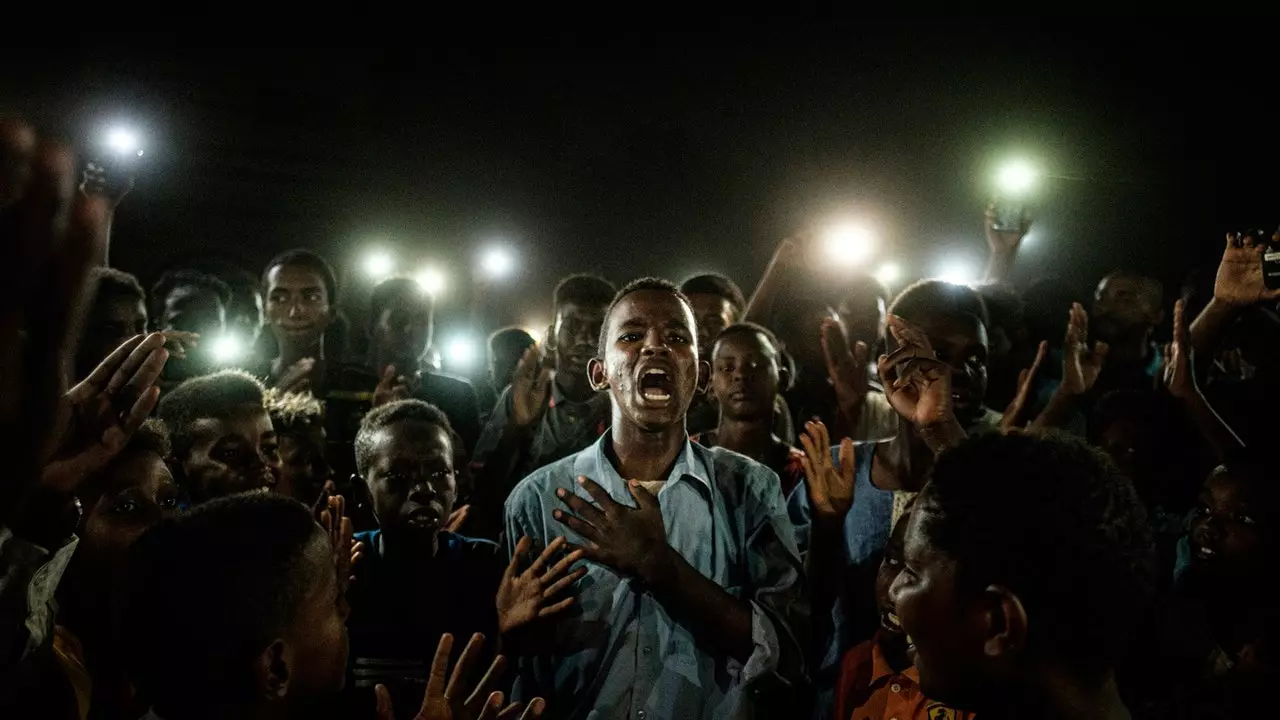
460, 352
379, 264
536, 331
123, 141
1016, 177
497, 262
227, 349
848, 245
958, 272
431, 280
888, 273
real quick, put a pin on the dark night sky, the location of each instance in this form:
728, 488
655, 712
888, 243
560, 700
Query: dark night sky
672, 153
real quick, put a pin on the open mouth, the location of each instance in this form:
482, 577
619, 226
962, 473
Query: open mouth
423, 518
889, 621
656, 385
1203, 554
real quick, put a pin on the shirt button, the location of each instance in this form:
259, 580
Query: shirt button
895, 687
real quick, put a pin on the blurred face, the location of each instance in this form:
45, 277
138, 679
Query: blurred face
713, 314
303, 467
745, 377
650, 362
110, 324
577, 330
411, 480
191, 308
961, 343
864, 321
1229, 534
317, 640
403, 330
943, 623
890, 568
1123, 306
245, 316
232, 454
138, 492
297, 305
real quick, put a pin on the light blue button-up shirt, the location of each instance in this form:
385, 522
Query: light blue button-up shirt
617, 653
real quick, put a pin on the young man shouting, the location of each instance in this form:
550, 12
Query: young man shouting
693, 597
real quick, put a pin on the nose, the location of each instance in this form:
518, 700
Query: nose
895, 589
295, 310
655, 344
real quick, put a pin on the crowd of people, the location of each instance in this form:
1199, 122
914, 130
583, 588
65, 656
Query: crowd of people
954, 501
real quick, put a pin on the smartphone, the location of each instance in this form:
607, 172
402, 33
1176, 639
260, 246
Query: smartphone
1010, 216
1270, 259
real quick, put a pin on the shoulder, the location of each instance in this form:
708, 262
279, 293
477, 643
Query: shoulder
544, 480
738, 474
469, 548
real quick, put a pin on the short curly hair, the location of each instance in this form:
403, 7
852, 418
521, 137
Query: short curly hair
301, 257
582, 289
385, 416
928, 298
208, 396
106, 283
750, 328
718, 285
1055, 521
639, 285
293, 413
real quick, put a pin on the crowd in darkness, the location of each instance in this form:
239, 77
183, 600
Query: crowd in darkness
686, 502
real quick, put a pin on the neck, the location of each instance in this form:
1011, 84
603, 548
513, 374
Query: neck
752, 438
290, 354
1061, 697
574, 385
644, 455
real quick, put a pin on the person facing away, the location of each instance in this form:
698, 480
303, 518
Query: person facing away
1027, 560
298, 419
223, 440
692, 603
416, 581
506, 346
190, 301
549, 413
235, 610
117, 310
877, 679
746, 375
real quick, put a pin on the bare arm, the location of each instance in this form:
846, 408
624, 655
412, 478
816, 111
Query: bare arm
1178, 376
1238, 285
1003, 244
761, 302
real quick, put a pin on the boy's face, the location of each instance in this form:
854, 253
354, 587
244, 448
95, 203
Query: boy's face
577, 330
1124, 306
317, 638
111, 324
191, 308
1228, 531
246, 313
303, 466
232, 454
744, 376
961, 343
650, 362
297, 305
403, 330
946, 625
890, 568
138, 492
411, 479
713, 314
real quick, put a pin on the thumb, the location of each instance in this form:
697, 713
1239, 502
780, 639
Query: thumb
846, 459
384, 702
389, 373
1022, 376
860, 354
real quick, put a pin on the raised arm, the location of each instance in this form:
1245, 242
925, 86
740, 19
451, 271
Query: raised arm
1178, 377
1238, 285
771, 283
1003, 245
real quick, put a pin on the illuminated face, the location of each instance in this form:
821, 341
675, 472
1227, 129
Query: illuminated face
303, 467
961, 343
411, 480
745, 376
232, 454
577, 332
298, 307
403, 330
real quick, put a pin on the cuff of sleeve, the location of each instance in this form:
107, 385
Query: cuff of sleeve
764, 650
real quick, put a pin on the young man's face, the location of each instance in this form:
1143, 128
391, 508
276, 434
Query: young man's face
245, 316
946, 625
138, 492
303, 466
1124, 306
890, 568
577, 330
403, 330
297, 305
1229, 530
961, 342
650, 362
193, 308
232, 454
744, 376
411, 480
713, 314
317, 638
111, 323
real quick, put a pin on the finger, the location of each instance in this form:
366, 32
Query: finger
557, 607
908, 334
846, 460
644, 499
107, 367
458, 518
148, 374
885, 370
134, 362
540, 562
522, 547
599, 494
1100, 350
576, 524
511, 712
140, 411
810, 450
860, 354
439, 667
558, 586
824, 440
491, 677
489, 711
564, 563
808, 471
466, 663
536, 707
383, 698
1180, 334
581, 507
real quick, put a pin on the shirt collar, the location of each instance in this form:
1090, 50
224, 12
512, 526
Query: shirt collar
880, 670
594, 463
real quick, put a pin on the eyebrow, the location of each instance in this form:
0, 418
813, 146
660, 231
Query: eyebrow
638, 322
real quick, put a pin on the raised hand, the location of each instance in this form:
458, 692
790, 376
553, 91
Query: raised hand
1239, 282
632, 541
104, 411
1177, 371
847, 370
830, 490
1013, 415
345, 553
530, 388
527, 596
443, 701
916, 383
1005, 241
391, 387
457, 519
1080, 364
296, 377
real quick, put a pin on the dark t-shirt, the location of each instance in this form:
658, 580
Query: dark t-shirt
399, 613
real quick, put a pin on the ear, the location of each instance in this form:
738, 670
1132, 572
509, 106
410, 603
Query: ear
597, 375
271, 671
704, 376
1006, 623
784, 376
